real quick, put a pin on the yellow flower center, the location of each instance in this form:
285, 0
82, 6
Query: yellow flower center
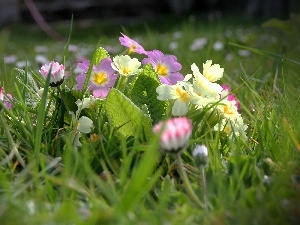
100, 78
227, 110
227, 129
162, 70
125, 70
182, 95
132, 48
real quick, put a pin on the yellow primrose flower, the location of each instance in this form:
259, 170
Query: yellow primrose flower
180, 93
212, 72
125, 65
202, 86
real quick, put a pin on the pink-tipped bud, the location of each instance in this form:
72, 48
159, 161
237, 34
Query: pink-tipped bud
5, 99
57, 73
175, 133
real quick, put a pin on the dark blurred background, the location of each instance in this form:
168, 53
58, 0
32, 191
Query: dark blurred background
56, 10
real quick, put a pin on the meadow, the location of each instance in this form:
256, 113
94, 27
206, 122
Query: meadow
71, 155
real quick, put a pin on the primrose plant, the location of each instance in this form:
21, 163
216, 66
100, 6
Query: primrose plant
129, 95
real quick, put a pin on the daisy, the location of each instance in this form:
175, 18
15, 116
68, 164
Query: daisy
175, 133
57, 73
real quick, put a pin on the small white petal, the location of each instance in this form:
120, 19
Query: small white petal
85, 124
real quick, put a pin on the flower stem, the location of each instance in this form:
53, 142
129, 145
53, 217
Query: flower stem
63, 98
187, 183
121, 83
204, 186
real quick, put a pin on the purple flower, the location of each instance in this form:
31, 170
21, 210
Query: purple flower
132, 45
175, 133
230, 97
57, 73
5, 99
166, 66
102, 78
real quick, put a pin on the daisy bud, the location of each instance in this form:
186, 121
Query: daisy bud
200, 154
175, 133
57, 73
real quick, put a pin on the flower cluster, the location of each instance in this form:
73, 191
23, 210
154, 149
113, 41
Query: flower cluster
201, 90
104, 75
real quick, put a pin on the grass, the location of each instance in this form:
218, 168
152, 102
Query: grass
126, 180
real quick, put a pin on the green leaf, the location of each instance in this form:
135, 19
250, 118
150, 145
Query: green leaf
143, 92
99, 54
125, 117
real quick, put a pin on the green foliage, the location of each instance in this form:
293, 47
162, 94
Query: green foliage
143, 92
99, 54
126, 118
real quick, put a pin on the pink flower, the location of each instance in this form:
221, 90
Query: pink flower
230, 97
5, 99
175, 133
166, 66
132, 45
57, 73
102, 78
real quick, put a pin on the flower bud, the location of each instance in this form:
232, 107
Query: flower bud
175, 133
200, 154
57, 73
6, 99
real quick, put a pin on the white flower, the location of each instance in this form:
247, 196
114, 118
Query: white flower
86, 102
81, 125
228, 109
212, 72
84, 125
180, 92
218, 46
198, 44
125, 65
233, 127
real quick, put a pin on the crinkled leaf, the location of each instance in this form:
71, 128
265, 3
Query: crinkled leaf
143, 92
125, 117
99, 54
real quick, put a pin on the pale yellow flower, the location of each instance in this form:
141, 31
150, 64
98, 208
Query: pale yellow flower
212, 72
125, 65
